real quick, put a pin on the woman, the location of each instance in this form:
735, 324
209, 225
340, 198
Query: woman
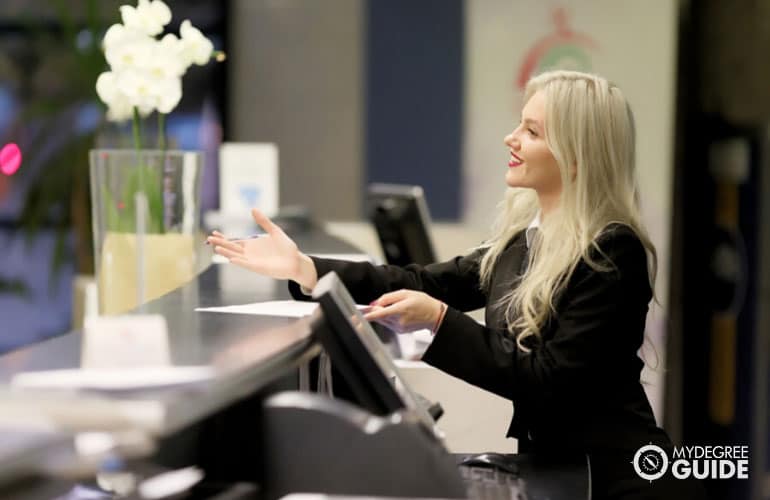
564, 279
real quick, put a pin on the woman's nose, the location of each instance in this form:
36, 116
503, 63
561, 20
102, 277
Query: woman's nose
510, 141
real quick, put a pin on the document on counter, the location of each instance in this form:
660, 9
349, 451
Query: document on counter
121, 379
283, 308
351, 257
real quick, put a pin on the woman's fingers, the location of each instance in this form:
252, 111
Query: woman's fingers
226, 252
264, 222
379, 312
234, 246
391, 298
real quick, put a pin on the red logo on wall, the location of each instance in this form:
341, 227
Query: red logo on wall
564, 49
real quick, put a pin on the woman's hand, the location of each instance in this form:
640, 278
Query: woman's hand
273, 254
406, 311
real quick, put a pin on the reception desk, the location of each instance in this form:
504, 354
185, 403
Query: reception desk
249, 354
219, 425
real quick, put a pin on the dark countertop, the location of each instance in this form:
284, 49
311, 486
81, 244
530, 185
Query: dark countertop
247, 351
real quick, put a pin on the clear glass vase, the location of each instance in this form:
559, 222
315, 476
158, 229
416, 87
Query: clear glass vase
146, 223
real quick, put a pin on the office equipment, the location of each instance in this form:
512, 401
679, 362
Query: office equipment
348, 449
556, 476
489, 484
400, 216
315, 443
358, 354
387, 444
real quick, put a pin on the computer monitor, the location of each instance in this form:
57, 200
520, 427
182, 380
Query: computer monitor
400, 216
358, 355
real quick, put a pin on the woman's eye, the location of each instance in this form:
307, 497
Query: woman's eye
532, 132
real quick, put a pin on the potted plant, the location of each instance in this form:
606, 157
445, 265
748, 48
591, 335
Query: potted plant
145, 201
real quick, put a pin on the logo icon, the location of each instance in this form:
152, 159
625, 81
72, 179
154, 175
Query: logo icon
563, 49
650, 462
250, 195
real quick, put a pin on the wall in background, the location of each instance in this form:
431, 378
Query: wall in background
295, 79
414, 98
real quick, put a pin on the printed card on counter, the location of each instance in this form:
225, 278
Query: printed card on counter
125, 342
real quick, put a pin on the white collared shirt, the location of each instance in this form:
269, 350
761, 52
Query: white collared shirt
532, 229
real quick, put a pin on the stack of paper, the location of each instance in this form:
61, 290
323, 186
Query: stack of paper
283, 308
122, 379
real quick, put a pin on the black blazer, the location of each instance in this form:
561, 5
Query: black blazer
580, 386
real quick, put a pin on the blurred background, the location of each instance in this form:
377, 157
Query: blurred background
422, 92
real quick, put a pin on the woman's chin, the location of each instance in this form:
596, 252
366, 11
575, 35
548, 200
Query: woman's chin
514, 181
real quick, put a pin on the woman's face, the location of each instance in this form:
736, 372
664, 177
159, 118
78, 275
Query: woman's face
532, 164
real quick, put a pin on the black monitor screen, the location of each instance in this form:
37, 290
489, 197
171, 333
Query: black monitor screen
400, 216
357, 353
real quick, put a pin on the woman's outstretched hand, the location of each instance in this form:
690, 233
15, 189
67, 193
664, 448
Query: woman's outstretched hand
273, 254
406, 311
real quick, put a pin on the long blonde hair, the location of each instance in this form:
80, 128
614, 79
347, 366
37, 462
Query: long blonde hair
588, 125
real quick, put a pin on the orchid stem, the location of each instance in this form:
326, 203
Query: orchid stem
161, 131
137, 132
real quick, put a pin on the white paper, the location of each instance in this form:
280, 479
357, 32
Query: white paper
283, 308
170, 483
414, 344
352, 257
120, 379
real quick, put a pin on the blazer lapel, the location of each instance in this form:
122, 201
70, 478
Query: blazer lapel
519, 254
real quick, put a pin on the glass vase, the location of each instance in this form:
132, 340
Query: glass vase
146, 223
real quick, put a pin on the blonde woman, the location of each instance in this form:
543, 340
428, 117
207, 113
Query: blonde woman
566, 280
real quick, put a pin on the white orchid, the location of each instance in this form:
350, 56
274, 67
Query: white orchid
167, 59
126, 48
146, 72
106, 87
196, 47
150, 16
169, 94
119, 108
140, 89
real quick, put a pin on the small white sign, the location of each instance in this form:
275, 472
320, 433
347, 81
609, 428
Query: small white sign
248, 178
125, 342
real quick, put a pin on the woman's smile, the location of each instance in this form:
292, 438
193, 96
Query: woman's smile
515, 160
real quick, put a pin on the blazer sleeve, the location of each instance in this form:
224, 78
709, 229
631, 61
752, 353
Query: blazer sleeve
599, 316
455, 282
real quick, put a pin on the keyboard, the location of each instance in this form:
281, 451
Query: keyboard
485, 483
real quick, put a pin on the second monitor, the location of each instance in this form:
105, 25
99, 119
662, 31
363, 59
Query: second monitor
400, 216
